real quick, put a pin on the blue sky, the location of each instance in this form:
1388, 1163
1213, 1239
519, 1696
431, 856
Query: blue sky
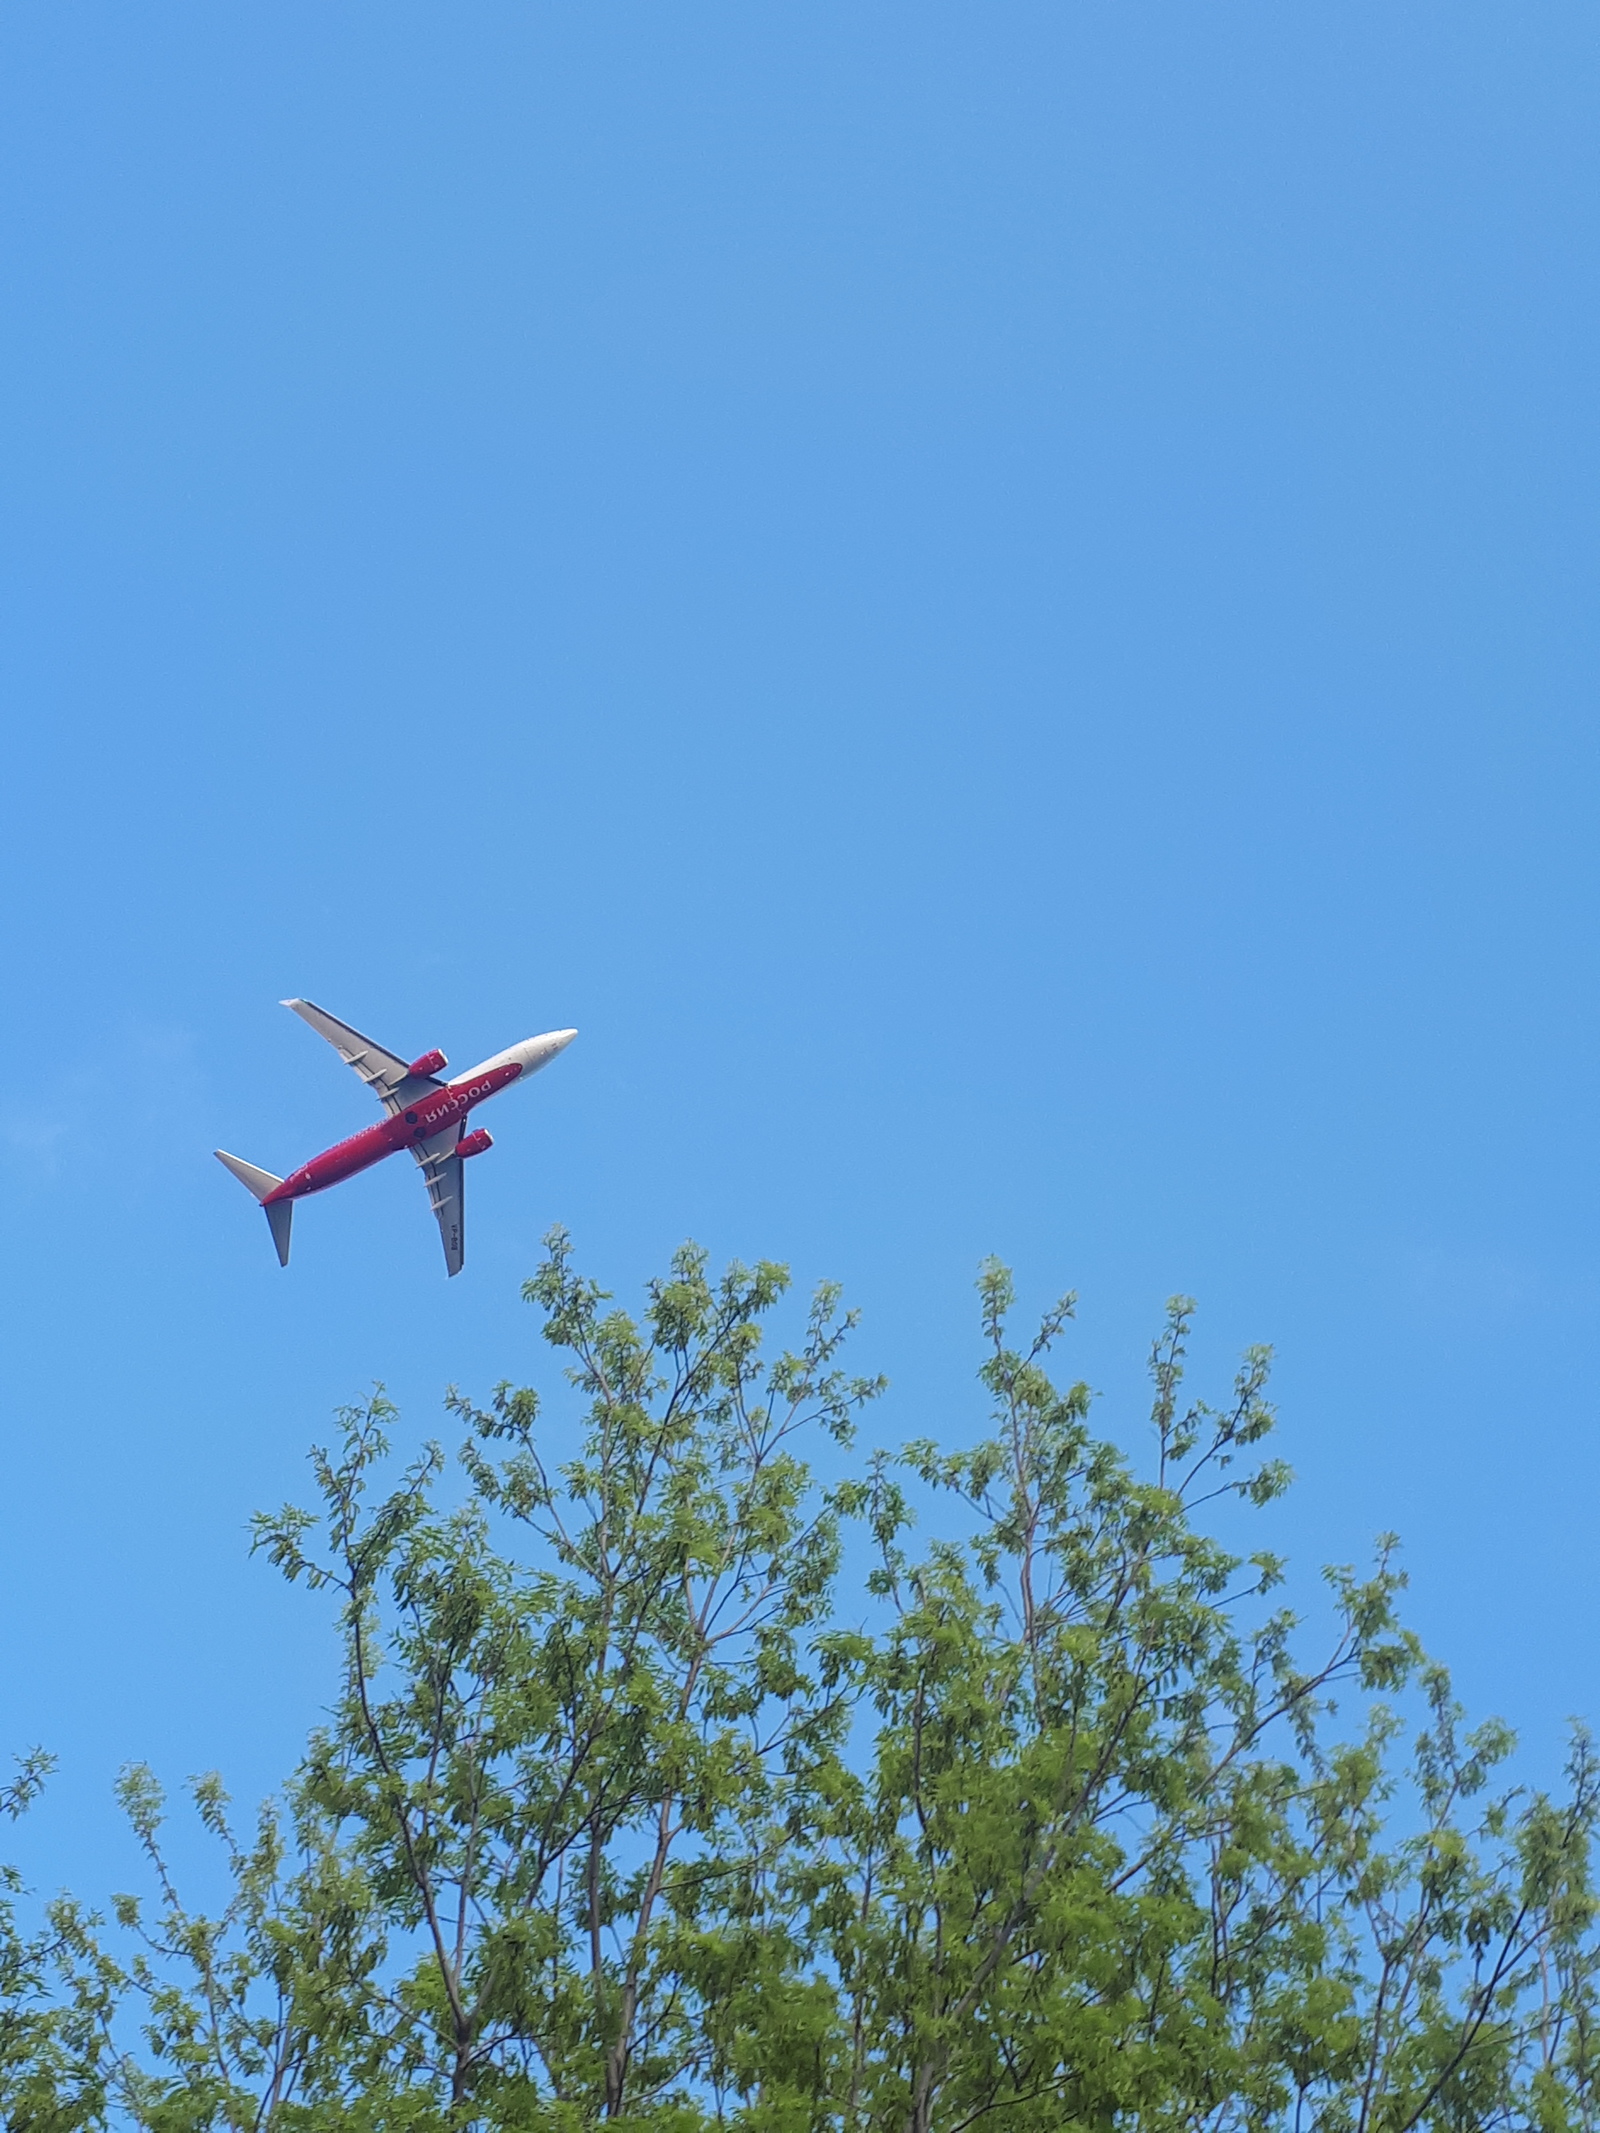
997, 603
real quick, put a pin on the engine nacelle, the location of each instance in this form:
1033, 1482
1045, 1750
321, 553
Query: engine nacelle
474, 1143
429, 1063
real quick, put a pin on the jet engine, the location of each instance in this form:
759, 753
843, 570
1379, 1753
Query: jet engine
429, 1063
474, 1143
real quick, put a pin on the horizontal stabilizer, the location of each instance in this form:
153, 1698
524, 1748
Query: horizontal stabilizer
279, 1214
260, 1182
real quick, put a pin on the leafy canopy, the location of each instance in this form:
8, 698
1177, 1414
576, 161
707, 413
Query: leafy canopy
638, 1805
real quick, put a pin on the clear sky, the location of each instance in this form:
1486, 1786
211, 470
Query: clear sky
998, 603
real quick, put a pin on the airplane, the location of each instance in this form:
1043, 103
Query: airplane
426, 1115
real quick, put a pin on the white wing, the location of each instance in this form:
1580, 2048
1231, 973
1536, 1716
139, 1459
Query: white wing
382, 1072
442, 1169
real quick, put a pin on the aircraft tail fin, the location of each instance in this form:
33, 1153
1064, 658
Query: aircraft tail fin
279, 1213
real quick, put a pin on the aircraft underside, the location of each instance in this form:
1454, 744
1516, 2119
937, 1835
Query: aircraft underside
426, 1115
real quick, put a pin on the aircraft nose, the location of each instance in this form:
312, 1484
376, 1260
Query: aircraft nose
544, 1049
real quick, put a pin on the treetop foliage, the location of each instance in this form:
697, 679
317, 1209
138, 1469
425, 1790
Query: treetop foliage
637, 1804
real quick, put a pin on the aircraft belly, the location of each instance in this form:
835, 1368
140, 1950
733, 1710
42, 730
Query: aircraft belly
359, 1153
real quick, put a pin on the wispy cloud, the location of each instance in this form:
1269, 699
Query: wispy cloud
1491, 1284
131, 1080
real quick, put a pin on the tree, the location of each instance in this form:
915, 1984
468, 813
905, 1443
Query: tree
1105, 1865
57, 1994
566, 1771
635, 1809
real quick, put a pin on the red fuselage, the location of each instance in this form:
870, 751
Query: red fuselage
430, 1114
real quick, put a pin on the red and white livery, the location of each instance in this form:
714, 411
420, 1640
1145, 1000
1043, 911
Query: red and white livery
426, 1115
